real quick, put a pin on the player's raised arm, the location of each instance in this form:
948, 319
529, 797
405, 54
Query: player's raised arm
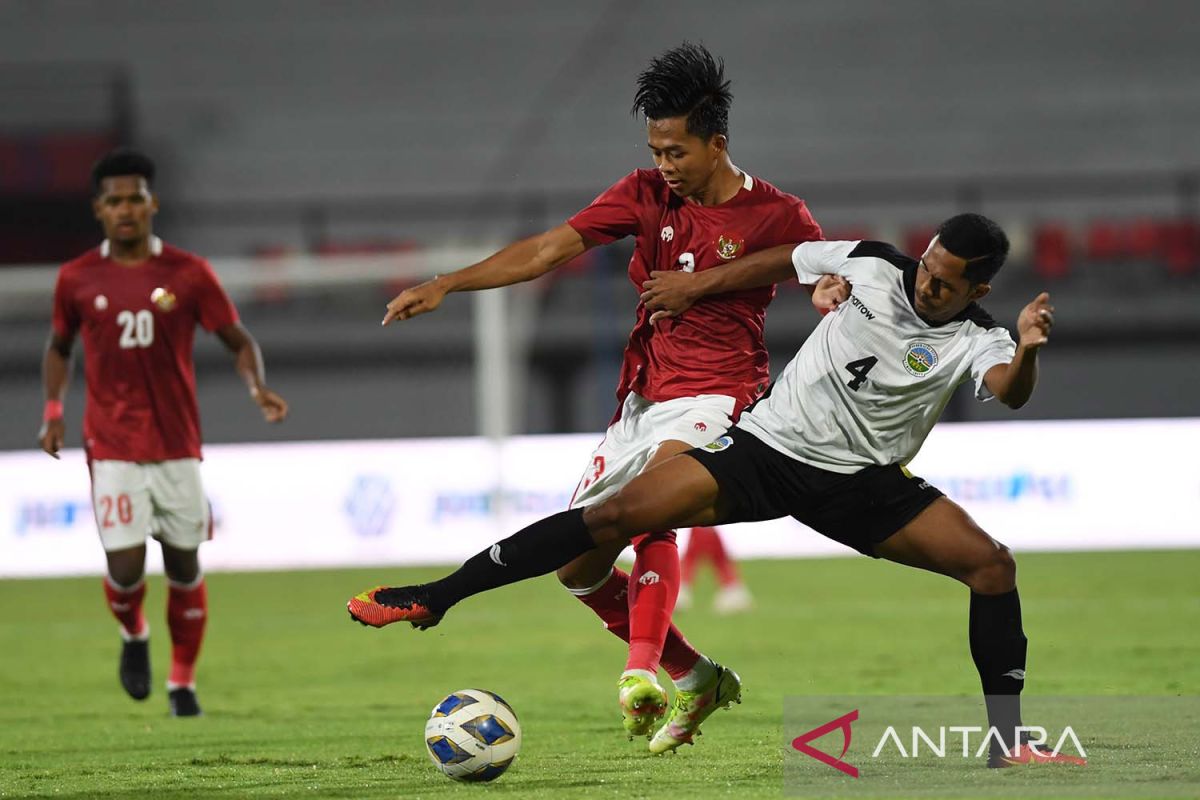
56, 373
1013, 383
249, 365
520, 261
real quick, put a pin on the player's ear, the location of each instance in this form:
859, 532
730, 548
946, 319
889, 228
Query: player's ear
153, 203
979, 290
718, 144
96, 206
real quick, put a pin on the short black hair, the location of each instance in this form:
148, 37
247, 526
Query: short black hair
686, 81
977, 240
122, 161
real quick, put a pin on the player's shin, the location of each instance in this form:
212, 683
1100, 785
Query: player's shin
187, 616
998, 647
653, 588
125, 603
535, 550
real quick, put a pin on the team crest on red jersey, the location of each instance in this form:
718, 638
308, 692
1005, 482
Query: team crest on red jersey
729, 246
163, 298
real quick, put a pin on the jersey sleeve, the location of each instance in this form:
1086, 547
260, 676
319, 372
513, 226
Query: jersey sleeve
802, 227
814, 259
214, 309
614, 214
996, 346
65, 318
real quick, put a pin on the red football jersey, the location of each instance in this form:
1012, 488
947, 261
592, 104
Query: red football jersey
138, 324
716, 346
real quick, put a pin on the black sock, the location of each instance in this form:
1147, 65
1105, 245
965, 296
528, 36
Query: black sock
536, 550
998, 647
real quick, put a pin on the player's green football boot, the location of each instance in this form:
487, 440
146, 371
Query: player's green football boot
690, 709
643, 703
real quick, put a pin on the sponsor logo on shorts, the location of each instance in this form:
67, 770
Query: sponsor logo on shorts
700, 426
920, 359
719, 444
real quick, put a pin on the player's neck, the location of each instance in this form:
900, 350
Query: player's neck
726, 182
130, 254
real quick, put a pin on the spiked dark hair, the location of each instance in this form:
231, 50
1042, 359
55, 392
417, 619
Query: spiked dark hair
977, 240
122, 161
686, 81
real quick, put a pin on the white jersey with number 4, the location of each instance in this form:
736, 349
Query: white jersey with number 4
870, 382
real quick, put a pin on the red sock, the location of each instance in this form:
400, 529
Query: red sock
187, 614
126, 605
727, 574
691, 554
610, 603
653, 589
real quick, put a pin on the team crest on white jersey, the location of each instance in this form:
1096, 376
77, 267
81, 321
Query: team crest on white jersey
920, 359
668, 233
718, 445
100, 303
163, 298
729, 247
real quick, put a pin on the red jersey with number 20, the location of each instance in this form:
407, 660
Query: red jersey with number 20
716, 346
138, 324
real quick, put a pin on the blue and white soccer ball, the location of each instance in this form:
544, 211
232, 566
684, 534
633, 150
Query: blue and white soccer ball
473, 735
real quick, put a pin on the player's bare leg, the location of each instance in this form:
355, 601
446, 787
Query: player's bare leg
680, 491
187, 616
943, 538
638, 611
125, 591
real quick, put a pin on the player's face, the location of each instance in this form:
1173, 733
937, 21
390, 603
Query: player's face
941, 291
125, 208
686, 162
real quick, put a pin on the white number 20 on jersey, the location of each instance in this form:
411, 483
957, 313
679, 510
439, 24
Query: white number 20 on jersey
137, 330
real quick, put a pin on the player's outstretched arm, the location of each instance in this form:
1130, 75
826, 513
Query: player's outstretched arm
670, 293
56, 373
1013, 383
520, 261
248, 362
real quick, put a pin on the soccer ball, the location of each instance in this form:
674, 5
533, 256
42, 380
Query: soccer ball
473, 735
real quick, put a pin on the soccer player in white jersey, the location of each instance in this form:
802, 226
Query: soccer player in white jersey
829, 442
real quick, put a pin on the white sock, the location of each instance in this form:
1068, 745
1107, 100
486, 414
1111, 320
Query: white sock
700, 675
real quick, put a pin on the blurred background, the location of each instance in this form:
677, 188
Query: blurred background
325, 155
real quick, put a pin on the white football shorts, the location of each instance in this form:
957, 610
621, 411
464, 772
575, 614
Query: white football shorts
163, 499
633, 439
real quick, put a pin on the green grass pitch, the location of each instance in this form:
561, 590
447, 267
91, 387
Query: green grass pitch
301, 702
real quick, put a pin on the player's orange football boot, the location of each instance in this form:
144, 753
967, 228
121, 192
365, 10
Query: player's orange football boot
1030, 754
384, 605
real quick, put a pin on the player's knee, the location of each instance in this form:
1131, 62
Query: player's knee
996, 573
609, 522
643, 541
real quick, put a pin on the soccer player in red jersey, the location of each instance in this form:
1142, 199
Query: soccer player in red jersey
137, 302
684, 380
705, 544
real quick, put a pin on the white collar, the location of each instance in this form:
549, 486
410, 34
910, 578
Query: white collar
156, 247
747, 181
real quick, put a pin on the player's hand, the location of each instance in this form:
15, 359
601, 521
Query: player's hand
831, 291
419, 299
274, 408
51, 436
1035, 322
669, 293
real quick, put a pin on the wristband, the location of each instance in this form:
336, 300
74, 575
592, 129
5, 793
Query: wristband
53, 410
